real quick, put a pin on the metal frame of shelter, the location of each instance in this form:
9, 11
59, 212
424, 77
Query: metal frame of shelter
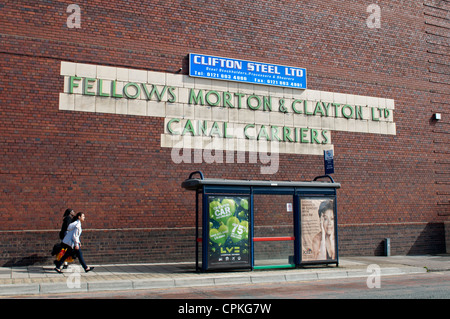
214, 192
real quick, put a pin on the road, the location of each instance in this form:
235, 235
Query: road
432, 285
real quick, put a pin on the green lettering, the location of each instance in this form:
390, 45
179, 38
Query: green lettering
305, 105
158, 94
267, 100
217, 102
326, 106
132, 96
245, 131
172, 97
274, 131
113, 90
202, 127
282, 107
227, 99
87, 85
314, 134
325, 137
100, 88
374, 118
73, 84
346, 114
215, 130
225, 127
169, 126
188, 128
286, 134
319, 109
303, 138
358, 112
240, 96
147, 93
196, 99
263, 133
258, 102
293, 106
335, 105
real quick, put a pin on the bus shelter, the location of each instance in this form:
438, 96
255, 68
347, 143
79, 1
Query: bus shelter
253, 224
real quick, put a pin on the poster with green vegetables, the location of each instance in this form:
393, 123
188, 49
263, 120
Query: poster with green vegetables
229, 244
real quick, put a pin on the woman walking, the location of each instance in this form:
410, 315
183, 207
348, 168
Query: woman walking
68, 217
72, 242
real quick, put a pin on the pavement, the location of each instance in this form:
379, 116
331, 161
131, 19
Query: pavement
44, 280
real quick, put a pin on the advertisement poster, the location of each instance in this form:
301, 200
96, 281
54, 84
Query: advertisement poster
317, 230
229, 244
328, 161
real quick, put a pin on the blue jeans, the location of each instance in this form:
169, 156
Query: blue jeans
71, 252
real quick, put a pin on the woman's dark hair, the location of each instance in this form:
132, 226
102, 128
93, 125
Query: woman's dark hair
67, 212
324, 206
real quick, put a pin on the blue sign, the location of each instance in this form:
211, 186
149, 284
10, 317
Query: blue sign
212, 67
328, 162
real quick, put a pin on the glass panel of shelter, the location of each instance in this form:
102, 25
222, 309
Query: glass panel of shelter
273, 241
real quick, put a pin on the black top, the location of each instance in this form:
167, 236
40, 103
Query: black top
66, 221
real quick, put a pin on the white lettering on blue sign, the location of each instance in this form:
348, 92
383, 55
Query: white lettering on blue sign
214, 61
212, 67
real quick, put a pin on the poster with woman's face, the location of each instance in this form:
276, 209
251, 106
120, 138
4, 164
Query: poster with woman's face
318, 229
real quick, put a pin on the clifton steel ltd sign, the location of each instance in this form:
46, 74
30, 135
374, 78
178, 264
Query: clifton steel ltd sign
218, 68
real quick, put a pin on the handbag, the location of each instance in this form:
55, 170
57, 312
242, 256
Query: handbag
61, 254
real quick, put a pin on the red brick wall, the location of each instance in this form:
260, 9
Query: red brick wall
112, 166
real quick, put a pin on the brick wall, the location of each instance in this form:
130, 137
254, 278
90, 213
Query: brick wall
406, 239
113, 168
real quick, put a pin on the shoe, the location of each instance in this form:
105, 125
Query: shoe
58, 270
89, 269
